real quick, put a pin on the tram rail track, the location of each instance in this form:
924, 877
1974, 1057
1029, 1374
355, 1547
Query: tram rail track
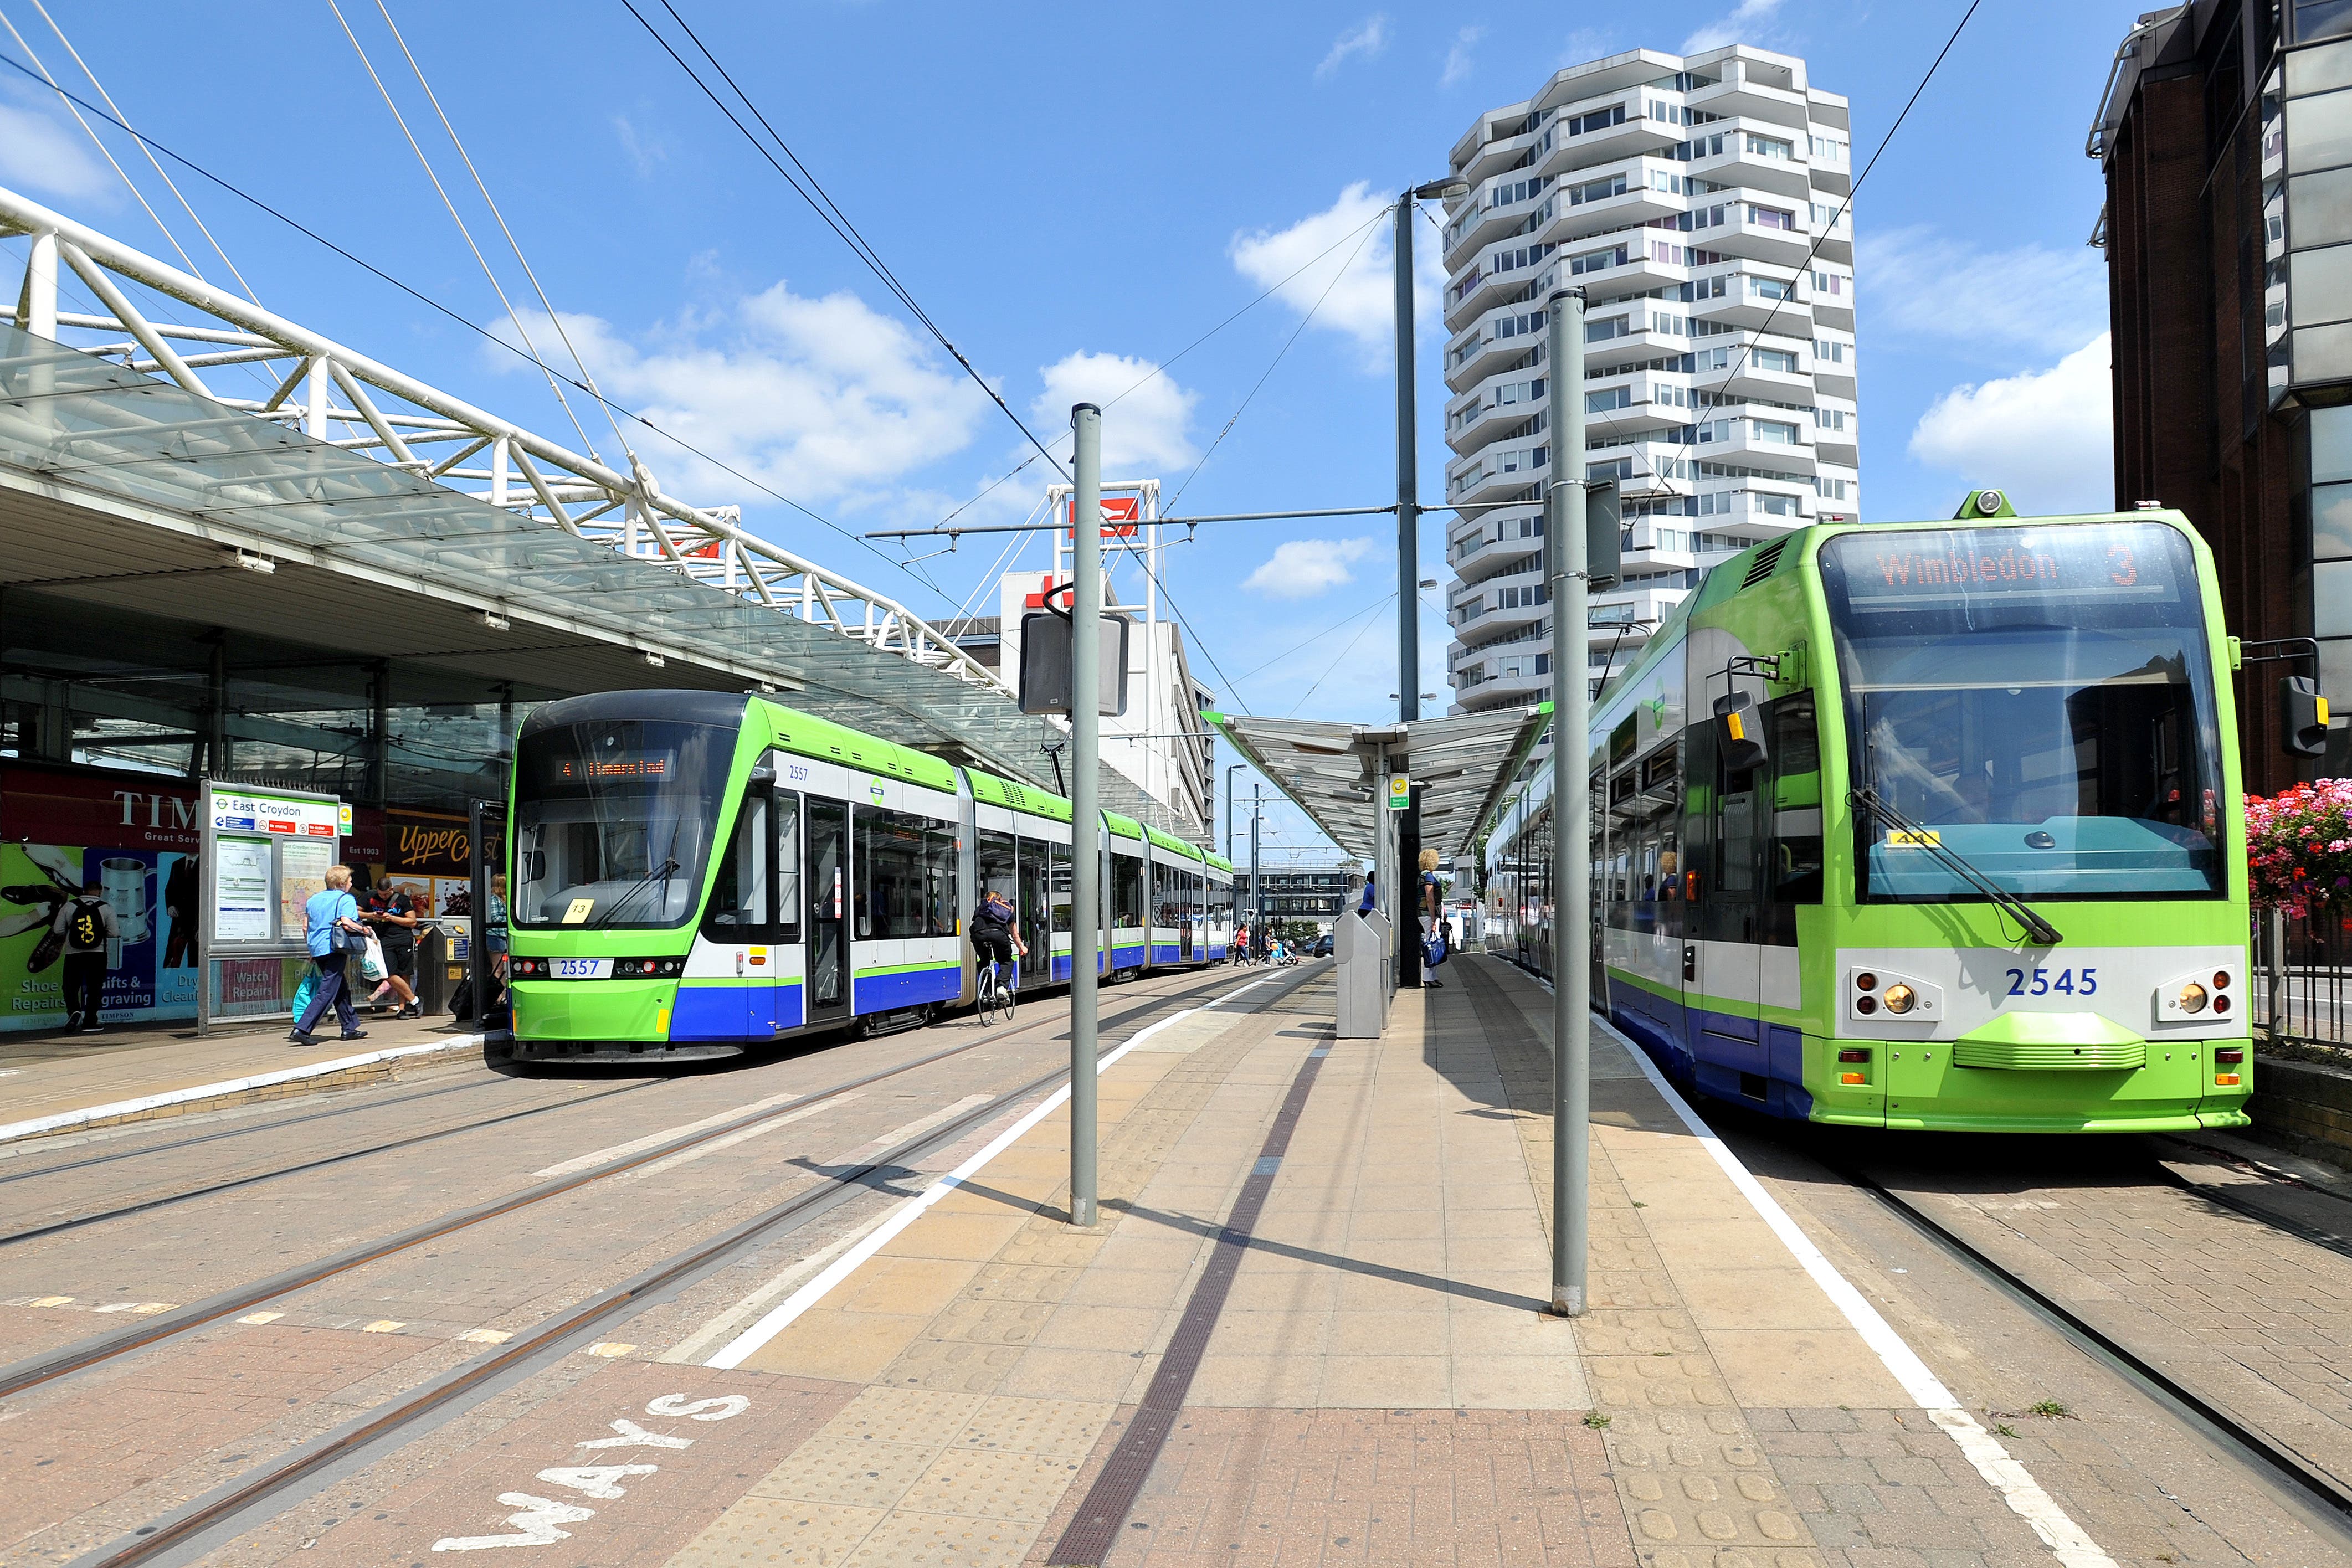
2309, 1487
217, 1514
35, 1372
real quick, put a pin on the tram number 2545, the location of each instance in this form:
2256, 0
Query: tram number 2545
2083, 982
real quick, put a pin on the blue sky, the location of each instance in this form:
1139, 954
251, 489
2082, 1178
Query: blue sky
1074, 197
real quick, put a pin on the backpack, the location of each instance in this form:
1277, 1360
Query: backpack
994, 911
84, 929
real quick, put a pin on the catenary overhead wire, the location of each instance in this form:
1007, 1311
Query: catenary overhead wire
1845, 206
514, 315
1161, 368
432, 304
1337, 663
842, 227
145, 151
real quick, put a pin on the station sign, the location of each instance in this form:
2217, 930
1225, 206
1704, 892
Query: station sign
232, 810
1399, 793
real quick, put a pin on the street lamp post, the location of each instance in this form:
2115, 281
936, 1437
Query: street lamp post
1407, 903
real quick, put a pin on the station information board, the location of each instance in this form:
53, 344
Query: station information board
265, 853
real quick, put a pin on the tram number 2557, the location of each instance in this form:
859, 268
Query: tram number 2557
2083, 982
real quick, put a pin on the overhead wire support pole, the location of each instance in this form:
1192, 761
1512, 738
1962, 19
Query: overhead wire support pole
1085, 813
1407, 905
1565, 572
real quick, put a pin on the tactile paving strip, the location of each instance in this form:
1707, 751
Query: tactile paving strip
1103, 1512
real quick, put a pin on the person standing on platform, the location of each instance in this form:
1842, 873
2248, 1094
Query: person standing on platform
393, 914
1432, 906
87, 923
331, 921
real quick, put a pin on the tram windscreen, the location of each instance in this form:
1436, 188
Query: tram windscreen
613, 821
2041, 699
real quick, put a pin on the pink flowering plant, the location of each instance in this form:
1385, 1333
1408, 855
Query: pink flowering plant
2300, 847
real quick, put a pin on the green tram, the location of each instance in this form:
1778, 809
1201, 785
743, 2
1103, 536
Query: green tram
696, 874
1925, 826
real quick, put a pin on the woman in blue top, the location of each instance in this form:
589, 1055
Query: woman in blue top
330, 914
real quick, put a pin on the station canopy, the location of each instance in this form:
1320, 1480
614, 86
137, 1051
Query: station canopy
134, 492
1331, 771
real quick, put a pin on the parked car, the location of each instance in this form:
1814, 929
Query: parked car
1318, 948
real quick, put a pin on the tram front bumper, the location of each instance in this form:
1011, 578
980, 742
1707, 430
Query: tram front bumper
2180, 1087
603, 1020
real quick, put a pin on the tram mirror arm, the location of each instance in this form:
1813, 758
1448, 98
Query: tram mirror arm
1866, 800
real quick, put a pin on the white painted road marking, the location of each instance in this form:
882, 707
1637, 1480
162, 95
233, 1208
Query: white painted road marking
783, 1317
686, 1156
538, 1520
656, 1140
2066, 1540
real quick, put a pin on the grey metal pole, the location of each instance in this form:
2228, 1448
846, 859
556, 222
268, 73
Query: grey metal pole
1085, 811
1257, 878
1405, 897
1572, 815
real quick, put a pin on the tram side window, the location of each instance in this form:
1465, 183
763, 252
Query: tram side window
756, 895
1165, 909
906, 876
1126, 880
1061, 886
995, 865
743, 894
1796, 866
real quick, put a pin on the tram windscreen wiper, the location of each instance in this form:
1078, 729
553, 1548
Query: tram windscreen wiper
2041, 931
661, 872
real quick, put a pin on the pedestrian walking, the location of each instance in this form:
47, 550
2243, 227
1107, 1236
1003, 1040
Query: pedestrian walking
394, 915
333, 930
85, 924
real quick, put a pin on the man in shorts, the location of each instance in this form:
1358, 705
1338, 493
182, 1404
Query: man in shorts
391, 916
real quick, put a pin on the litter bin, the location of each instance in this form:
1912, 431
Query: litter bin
1360, 945
436, 976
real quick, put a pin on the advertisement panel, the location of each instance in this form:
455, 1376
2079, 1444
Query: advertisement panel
81, 840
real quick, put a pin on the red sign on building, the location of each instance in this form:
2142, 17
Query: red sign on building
1120, 515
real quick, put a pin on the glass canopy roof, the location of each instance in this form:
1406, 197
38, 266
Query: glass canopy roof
80, 422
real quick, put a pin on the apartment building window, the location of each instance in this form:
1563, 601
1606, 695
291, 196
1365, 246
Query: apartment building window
1599, 260
1596, 190
1829, 351
1829, 283
1769, 147
1774, 506
1611, 398
1771, 217
1701, 147
1718, 359
1597, 119
1826, 147
1602, 332
1511, 192
1831, 418
1830, 489
1782, 360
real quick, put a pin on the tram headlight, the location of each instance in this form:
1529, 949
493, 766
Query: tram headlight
1900, 998
2193, 998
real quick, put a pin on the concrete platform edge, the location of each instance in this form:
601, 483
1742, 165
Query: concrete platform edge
228, 1092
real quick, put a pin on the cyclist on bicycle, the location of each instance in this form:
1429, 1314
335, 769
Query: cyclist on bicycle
993, 939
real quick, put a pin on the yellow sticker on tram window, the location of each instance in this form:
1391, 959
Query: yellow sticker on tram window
1924, 839
579, 910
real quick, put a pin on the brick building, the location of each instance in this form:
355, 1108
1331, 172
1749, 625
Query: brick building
2226, 136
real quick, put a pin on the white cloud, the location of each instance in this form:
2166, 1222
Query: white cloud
39, 153
1301, 569
1366, 39
1457, 58
1746, 24
1586, 44
1144, 428
821, 400
644, 151
1928, 285
2047, 437
1358, 277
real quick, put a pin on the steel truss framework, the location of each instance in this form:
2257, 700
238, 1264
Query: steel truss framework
329, 393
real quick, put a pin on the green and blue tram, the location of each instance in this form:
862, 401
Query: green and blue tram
697, 873
1924, 826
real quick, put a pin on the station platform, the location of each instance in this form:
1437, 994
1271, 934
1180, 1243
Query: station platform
57, 1083
1310, 1329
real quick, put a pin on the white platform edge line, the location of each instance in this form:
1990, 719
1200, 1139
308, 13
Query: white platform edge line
2066, 1540
228, 1086
781, 1317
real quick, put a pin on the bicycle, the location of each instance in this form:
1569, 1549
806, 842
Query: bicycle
998, 993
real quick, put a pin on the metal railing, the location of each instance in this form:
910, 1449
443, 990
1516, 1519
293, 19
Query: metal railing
2302, 977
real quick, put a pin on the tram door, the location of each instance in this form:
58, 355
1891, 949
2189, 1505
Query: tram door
1036, 903
828, 904
1724, 927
